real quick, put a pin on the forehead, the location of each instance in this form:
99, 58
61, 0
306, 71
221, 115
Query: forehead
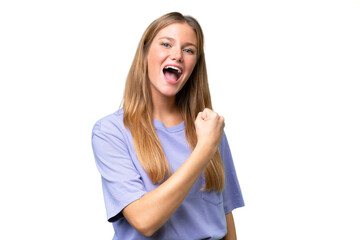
178, 31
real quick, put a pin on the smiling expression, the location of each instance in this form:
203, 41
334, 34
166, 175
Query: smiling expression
171, 59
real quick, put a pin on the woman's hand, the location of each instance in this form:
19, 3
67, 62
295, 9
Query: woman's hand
209, 130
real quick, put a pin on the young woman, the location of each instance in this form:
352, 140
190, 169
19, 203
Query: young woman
166, 167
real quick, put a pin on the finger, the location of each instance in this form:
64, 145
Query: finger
222, 120
199, 116
208, 112
203, 115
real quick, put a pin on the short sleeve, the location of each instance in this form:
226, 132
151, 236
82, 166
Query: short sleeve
232, 196
121, 181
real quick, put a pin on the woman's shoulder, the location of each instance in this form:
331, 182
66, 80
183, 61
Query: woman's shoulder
110, 123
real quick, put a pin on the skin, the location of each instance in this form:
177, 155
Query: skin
231, 231
176, 45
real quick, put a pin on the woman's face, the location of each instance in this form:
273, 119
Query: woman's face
171, 59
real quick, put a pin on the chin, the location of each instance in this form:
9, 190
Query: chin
169, 93
166, 89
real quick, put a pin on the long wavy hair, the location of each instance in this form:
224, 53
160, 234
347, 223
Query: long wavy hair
191, 99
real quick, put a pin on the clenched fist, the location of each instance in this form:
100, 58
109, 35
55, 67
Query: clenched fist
209, 129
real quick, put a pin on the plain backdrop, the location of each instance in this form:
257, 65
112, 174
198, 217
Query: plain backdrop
285, 75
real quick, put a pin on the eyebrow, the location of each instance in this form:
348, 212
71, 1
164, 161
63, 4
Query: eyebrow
173, 39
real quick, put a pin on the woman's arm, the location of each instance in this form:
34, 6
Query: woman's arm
231, 231
150, 212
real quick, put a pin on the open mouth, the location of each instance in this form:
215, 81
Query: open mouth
172, 73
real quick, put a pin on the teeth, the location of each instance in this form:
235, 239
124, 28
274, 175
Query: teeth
175, 68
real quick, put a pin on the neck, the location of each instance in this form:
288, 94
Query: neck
164, 109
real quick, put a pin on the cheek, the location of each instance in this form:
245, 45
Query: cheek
156, 54
191, 66
152, 62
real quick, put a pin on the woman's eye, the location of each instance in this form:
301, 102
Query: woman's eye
166, 45
189, 51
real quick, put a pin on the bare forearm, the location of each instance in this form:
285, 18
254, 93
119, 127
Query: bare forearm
151, 211
231, 231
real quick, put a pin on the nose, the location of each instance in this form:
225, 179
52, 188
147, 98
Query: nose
177, 55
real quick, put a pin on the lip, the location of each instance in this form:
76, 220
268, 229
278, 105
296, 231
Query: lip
168, 80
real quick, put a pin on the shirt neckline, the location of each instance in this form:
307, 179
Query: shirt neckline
159, 125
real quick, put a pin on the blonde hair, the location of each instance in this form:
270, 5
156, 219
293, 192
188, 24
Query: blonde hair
191, 99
